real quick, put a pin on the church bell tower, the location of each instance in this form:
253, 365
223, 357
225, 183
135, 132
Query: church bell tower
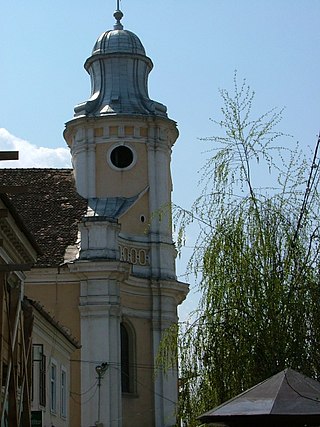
120, 142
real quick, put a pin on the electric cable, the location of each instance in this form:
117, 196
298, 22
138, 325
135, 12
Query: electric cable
85, 392
148, 388
86, 401
298, 393
133, 365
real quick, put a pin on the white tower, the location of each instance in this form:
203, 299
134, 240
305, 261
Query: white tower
121, 142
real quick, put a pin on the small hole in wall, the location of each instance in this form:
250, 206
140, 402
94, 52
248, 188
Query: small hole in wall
142, 218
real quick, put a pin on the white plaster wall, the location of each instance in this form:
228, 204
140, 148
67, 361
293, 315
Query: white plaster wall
100, 331
58, 350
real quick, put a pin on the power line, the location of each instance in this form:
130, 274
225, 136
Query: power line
117, 364
86, 401
85, 392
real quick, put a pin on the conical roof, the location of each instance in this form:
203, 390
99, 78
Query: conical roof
286, 396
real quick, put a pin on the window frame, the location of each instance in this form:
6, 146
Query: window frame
119, 145
43, 381
63, 392
53, 386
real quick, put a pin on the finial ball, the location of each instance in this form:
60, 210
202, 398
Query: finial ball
118, 15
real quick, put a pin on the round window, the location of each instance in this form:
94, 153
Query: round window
121, 157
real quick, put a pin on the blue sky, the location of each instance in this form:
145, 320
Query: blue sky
195, 47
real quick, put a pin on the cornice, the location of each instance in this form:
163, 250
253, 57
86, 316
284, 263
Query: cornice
15, 243
100, 269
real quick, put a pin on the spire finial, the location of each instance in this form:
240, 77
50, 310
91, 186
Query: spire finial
118, 16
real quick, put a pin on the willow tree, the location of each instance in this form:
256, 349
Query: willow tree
257, 258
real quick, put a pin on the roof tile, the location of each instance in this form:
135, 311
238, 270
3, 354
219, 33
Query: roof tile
50, 208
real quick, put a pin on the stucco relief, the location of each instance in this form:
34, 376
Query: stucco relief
134, 255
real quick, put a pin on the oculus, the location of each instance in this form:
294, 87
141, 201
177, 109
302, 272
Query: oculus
121, 157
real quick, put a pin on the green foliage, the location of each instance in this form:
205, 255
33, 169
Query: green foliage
257, 257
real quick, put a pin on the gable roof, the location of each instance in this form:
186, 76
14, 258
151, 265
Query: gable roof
50, 208
286, 394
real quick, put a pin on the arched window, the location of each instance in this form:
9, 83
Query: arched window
127, 358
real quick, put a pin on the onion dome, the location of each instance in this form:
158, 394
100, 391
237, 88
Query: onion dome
119, 70
118, 41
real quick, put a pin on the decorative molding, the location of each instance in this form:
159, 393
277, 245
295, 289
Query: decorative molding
134, 255
15, 243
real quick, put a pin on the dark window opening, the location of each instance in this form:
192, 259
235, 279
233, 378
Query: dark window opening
125, 360
42, 381
4, 373
121, 157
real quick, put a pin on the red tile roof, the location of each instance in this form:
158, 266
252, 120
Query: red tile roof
50, 208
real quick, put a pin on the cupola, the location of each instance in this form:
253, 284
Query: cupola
119, 70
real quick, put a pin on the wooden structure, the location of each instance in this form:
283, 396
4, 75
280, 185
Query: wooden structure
17, 254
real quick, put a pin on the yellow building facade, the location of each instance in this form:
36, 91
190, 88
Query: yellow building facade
107, 270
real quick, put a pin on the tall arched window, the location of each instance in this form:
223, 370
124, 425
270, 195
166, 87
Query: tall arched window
127, 358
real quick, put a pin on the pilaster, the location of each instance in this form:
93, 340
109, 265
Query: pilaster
166, 295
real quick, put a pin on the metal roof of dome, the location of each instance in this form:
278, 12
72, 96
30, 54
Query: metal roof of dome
119, 70
118, 40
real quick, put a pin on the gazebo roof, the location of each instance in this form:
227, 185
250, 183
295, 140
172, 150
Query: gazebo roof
286, 398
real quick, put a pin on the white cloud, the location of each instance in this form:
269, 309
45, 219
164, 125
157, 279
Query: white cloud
31, 156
